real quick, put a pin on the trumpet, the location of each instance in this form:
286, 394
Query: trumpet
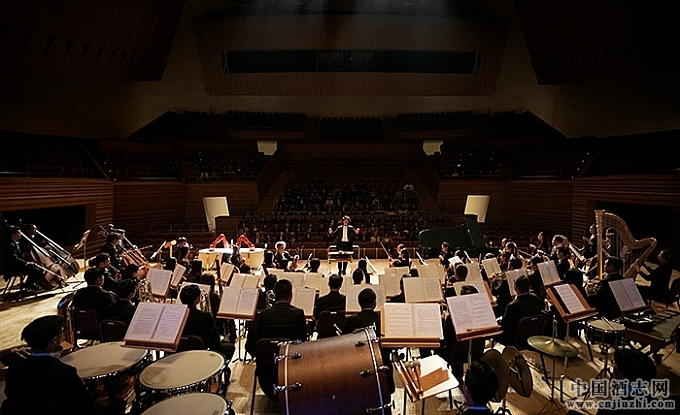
144, 291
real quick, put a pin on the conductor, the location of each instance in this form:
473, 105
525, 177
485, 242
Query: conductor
344, 237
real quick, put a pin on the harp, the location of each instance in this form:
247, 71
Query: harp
630, 250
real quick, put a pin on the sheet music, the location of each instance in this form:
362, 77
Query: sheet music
430, 271
627, 294
304, 298
512, 276
169, 323
427, 321
473, 272
159, 280
429, 365
144, 321
569, 298
549, 273
295, 278
156, 321
400, 271
237, 301
491, 266
237, 280
352, 297
226, 270
177, 275
346, 282
315, 280
391, 283
251, 281
470, 312
398, 320
422, 290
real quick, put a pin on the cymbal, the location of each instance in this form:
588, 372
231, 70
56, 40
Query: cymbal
553, 347
520, 374
495, 360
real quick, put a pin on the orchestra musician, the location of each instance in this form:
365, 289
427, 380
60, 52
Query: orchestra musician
113, 248
590, 243
333, 301
42, 384
282, 259
445, 255
124, 308
344, 240
403, 260
525, 304
182, 251
15, 263
111, 273
603, 298
658, 277
93, 296
391, 257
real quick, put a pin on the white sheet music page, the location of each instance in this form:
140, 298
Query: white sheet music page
491, 266
429, 271
470, 312
169, 323
226, 269
229, 301
428, 322
627, 295
144, 321
247, 302
177, 275
391, 283
512, 276
569, 298
304, 298
473, 271
549, 273
352, 297
422, 290
159, 280
251, 281
398, 320
237, 280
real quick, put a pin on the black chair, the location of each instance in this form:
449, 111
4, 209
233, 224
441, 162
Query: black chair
86, 325
112, 330
527, 327
672, 297
190, 342
329, 323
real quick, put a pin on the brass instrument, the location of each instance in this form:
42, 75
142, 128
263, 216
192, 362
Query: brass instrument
144, 291
204, 302
609, 220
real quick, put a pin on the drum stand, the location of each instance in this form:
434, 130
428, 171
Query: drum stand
237, 324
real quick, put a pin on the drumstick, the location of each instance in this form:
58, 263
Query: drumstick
410, 385
416, 365
414, 375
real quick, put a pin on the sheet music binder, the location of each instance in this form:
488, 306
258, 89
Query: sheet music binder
156, 326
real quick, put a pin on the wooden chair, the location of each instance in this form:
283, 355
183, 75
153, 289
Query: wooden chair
672, 297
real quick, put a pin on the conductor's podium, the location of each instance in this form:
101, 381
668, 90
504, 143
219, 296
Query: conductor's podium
341, 256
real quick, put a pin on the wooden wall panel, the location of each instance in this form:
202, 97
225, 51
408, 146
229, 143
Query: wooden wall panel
540, 205
139, 206
96, 195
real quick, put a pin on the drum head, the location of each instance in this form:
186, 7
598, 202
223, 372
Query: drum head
103, 359
520, 374
182, 369
190, 403
495, 360
606, 326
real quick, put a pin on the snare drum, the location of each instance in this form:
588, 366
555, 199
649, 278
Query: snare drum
192, 403
333, 376
606, 332
180, 373
108, 369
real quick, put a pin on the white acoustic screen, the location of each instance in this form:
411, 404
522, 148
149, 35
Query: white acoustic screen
214, 207
477, 205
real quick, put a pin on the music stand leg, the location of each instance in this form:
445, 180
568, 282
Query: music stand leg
552, 403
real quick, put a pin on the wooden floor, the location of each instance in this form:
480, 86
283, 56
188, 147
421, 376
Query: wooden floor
16, 315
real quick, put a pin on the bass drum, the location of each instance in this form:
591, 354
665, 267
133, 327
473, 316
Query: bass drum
341, 375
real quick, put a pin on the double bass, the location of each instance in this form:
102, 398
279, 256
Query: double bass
53, 274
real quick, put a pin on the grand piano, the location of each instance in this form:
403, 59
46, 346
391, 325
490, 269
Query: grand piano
467, 236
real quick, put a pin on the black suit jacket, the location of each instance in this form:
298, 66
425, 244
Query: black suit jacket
94, 298
202, 324
522, 306
365, 318
45, 385
333, 301
603, 299
282, 321
15, 264
351, 234
110, 249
